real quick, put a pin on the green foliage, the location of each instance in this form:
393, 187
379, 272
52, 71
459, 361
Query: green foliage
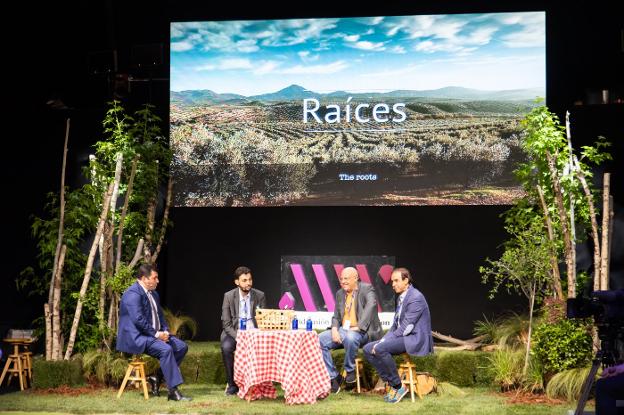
564, 345
180, 325
510, 331
136, 137
567, 384
506, 366
458, 368
524, 265
109, 368
52, 374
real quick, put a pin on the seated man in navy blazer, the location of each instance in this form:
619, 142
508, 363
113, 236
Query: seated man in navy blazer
239, 303
143, 329
410, 332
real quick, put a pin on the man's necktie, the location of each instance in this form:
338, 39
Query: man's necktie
398, 311
155, 318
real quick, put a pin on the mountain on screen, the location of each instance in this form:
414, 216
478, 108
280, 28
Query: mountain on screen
297, 92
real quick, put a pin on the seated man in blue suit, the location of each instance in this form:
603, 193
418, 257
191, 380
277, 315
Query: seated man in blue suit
143, 329
410, 332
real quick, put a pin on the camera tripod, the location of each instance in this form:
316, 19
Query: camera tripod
589, 382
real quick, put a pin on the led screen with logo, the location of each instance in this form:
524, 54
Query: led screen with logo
382, 110
309, 284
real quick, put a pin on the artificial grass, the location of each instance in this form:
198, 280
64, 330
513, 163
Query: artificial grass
209, 399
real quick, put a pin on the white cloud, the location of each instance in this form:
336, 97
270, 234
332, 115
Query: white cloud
371, 21
315, 69
181, 46
266, 67
246, 46
366, 45
429, 46
306, 56
226, 64
398, 49
352, 38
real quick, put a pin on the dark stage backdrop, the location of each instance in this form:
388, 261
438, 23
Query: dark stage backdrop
442, 246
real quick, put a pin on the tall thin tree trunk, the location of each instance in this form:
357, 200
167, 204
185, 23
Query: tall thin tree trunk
572, 214
528, 347
124, 211
137, 254
59, 241
48, 324
88, 269
165, 222
150, 216
606, 219
569, 243
608, 253
594, 225
57, 351
554, 264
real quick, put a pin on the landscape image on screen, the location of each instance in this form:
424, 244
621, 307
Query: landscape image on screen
392, 110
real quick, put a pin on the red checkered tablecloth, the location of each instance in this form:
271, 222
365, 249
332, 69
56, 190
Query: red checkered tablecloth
292, 358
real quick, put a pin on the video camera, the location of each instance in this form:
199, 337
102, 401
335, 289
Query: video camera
607, 309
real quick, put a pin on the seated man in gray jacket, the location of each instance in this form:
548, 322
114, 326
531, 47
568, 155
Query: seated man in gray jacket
355, 323
239, 303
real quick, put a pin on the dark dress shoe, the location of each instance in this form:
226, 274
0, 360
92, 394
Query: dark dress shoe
176, 395
350, 377
154, 385
231, 390
336, 383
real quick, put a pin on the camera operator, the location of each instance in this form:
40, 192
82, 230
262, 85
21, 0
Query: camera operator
610, 391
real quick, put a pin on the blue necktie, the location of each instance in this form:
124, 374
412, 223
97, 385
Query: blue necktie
398, 311
155, 317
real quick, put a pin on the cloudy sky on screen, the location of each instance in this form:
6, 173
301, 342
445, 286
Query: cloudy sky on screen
483, 51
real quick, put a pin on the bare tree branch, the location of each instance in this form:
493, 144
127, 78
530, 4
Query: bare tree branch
165, 221
88, 269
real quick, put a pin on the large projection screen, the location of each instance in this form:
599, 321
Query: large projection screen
386, 110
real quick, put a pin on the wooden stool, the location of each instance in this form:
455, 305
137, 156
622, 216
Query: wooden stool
27, 365
359, 374
409, 377
18, 363
135, 372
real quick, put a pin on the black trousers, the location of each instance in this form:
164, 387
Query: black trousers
228, 346
610, 395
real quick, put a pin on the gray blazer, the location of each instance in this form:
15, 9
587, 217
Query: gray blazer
365, 311
229, 311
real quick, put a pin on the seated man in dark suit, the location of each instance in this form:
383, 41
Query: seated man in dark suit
239, 303
410, 332
355, 322
143, 329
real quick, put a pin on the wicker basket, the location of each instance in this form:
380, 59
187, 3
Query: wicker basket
271, 319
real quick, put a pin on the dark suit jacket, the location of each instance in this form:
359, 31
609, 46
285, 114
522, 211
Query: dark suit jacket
229, 311
135, 330
365, 311
414, 324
